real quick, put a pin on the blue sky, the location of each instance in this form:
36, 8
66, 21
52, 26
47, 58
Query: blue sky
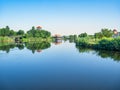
61, 16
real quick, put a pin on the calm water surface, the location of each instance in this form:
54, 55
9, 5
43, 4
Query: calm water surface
58, 67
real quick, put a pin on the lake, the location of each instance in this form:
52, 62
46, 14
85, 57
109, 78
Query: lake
57, 66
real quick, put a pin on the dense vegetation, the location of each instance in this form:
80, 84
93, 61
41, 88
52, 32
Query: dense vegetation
109, 44
36, 40
104, 33
6, 34
38, 33
101, 41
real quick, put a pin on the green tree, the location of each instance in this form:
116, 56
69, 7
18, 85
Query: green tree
107, 33
20, 32
3, 32
98, 35
83, 35
71, 36
33, 28
7, 27
12, 33
38, 33
7, 31
75, 37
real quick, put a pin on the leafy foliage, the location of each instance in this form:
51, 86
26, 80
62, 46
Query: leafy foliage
20, 32
83, 35
38, 33
104, 33
98, 35
31, 33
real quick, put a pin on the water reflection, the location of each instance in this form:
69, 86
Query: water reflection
109, 54
37, 46
83, 50
20, 46
6, 47
33, 46
57, 42
102, 53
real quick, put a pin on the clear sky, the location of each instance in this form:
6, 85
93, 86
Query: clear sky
61, 16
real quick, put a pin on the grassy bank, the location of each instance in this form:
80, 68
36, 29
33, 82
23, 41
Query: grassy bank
110, 44
30, 39
34, 39
6, 39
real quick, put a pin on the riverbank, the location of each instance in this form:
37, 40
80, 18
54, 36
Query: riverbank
35, 39
109, 44
6, 39
30, 39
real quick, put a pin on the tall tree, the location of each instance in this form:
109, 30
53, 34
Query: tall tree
33, 28
107, 33
12, 33
20, 32
7, 27
98, 35
83, 35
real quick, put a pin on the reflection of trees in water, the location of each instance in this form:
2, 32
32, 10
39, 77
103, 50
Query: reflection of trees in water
57, 41
20, 46
109, 54
71, 40
37, 46
104, 54
83, 50
7, 47
31, 46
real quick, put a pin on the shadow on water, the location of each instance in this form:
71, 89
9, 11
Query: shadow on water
102, 53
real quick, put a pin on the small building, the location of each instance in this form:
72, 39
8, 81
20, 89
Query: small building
116, 33
39, 50
39, 27
57, 35
57, 39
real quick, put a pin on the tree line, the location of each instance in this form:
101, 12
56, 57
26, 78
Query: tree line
33, 32
100, 41
8, 32
107, 33
84, 37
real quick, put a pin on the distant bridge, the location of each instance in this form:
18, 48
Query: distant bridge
16, 38
57, 36
57, 39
